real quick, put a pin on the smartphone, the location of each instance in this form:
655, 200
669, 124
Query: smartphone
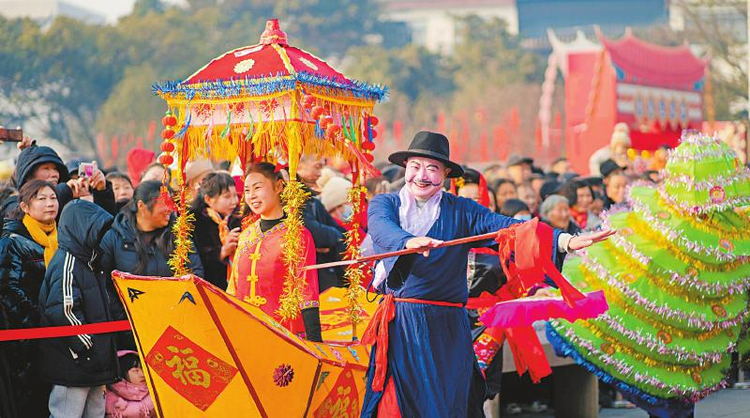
11, 135
86, 169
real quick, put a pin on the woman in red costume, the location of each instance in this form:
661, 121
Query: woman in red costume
258, 270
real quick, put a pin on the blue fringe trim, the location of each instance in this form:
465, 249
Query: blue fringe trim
319, 133
652, 404
267, 85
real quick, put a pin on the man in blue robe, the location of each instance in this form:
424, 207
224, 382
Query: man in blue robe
427, 365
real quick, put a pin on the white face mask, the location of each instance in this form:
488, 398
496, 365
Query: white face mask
347, 214
522, 217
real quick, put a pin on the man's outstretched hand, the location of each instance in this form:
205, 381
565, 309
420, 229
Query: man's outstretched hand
423, 243
582, 241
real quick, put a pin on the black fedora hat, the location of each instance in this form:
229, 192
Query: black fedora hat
429, 145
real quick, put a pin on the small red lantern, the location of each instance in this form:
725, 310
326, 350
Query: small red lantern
308, 101
332, 130
169, 119
317, 112
325, 120
374, 120
369, 158
166, 159
167, 134
368, 145
167, 147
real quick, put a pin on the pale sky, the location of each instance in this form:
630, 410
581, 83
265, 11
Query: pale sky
110, 8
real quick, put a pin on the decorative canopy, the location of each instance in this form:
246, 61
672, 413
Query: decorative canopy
271, 101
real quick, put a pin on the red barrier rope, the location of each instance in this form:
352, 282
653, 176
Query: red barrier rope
66, 331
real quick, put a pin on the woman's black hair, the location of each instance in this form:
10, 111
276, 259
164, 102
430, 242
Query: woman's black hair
493, 199
28, 191
570, 190
214, 184
117, 175
512, 206
266, 169
470, 176
496, 185
148, 192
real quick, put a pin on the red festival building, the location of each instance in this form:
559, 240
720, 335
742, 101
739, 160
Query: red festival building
657, 91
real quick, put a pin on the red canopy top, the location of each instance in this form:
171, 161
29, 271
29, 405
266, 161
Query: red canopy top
651, 64
271, 57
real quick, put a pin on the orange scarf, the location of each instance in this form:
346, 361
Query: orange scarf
221, 222
44, 235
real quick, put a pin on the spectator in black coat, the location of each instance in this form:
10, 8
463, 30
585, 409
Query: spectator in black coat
216, 232
43, 163
327, 234
79, 366
122, 188
141, 241
22, 269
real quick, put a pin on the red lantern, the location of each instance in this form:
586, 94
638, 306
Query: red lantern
169, 120
167, 147
167, 134
325, 120
166, 159
317, 112
369, 158
308, 101
374, 120
374, 133
332, 130
368, 146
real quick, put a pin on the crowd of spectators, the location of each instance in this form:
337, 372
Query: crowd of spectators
65, 231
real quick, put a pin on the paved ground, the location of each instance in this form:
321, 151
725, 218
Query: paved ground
727, 403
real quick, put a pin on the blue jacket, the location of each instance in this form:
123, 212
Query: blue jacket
442, 275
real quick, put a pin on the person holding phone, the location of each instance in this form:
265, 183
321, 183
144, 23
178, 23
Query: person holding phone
42, 163
215, 234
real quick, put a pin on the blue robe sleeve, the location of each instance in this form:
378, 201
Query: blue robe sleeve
383, 224
387, 235
483, 221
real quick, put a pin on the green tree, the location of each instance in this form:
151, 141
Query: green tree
59, 77
144, 7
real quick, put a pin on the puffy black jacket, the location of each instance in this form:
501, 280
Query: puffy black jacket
21, 275
72, 294
327, 234
119, 253
208, 244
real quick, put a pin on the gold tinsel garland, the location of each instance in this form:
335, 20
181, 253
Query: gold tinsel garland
182, 229
354, 273
294, 197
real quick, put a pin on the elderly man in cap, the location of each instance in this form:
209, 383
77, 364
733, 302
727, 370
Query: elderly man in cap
422, 362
